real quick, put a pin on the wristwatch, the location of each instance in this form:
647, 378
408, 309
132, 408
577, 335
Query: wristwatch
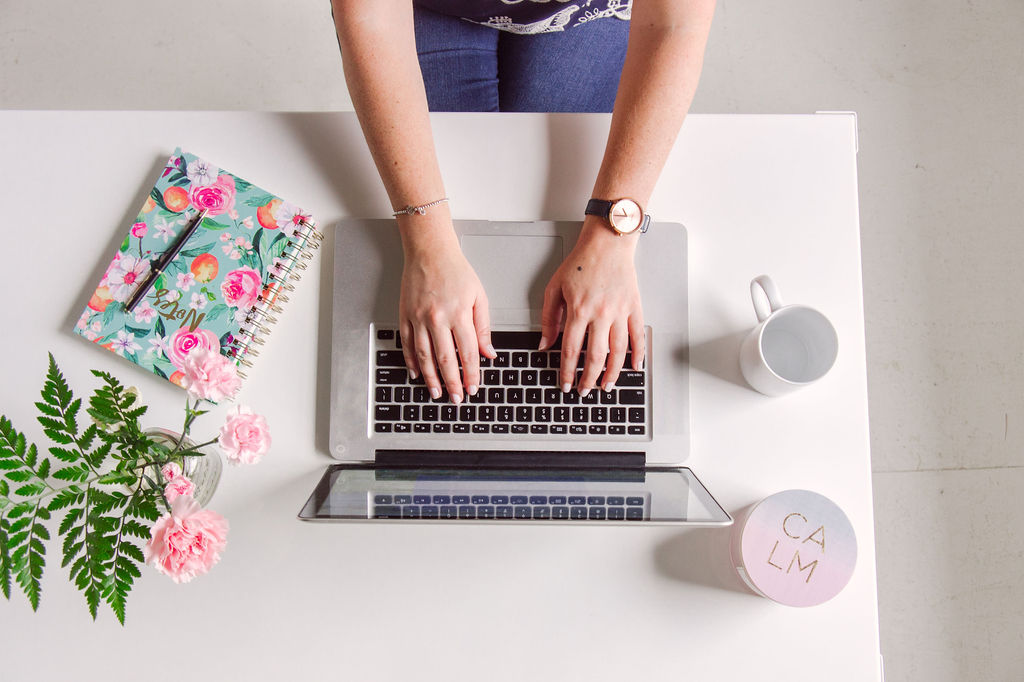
624, 215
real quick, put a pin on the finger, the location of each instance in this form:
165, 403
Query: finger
551, 316
409, 349
572, 341
482, 323
637, 339
618, 341
467, 343
425, 357
447, 361
597, 354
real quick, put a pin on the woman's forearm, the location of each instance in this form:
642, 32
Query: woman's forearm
659, 78
382, 72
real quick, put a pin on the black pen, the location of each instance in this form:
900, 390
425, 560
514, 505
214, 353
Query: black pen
165, 258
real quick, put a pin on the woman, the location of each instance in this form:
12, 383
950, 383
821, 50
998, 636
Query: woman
565, 64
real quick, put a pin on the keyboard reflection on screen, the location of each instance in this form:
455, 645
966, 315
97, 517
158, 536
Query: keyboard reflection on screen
516, 506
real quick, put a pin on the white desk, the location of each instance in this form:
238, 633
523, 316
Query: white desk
775, 194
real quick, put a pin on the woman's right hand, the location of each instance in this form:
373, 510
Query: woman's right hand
443, 317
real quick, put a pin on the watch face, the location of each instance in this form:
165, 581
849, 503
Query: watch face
625, 216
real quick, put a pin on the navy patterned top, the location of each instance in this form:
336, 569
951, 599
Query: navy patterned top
528, 17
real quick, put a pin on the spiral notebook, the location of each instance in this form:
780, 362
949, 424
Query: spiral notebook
227, 283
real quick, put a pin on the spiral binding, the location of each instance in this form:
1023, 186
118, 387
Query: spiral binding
303, 241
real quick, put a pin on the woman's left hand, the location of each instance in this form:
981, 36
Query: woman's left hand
596, 291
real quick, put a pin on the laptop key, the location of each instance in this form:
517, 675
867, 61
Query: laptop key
403, 394
616, 513
481, 428
480, 499
486, 413
392, 375
538, 359
421, 428
631, 396
390, 358
467, 512
533, 396
634, 514
519, 499
503, 359
442, 428
499, 428
382, 428
617, 430
504, 413
449, 512
524, 414
597, 513
387, 413
403, 499
460, 499
449, 413
599, 414
383, 499
385, 334
522, 512
492, 377
542, 414
559, 512
617, 415
429, 512
520, 359
528, 377
503, 512
542, 512
442, 499
510, 377
635, 501
576, 500
485, 512
411, 413
598, 429
520, 428
382, 394
577, 429
421, 499
636, 415
410, 512
580, 414
591, 398
460, 428
559, 429
420, 394
636, 430
577, 513
495, 395
549, 377
514, 395
387, 511
630, 378
538, 429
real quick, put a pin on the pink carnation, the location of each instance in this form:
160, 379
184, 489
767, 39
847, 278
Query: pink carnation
139, 230
210, 376
217, 197
183, 342
170, 471
178, 486
242, 287
245, 437
187, 542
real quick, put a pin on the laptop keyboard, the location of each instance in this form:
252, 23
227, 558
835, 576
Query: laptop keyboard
519, 396
511, 506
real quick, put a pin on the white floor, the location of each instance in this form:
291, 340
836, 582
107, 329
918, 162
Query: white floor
939, 89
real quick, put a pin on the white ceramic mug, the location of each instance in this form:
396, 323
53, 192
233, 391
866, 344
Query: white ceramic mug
792, 345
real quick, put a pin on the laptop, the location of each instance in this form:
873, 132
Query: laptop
520, 451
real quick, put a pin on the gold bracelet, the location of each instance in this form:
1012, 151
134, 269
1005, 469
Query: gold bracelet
421, 209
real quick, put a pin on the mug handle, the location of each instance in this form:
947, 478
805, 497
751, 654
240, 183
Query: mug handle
765, 296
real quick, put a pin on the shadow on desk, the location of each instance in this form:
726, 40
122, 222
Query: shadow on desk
700, 556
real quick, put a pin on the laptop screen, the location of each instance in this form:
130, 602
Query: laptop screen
600, 495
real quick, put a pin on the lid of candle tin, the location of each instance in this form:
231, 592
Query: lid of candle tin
795, 547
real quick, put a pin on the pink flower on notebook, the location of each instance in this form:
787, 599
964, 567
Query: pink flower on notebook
183, 342
139, 230
245, 436
217, 197
187, 542
210, 376
241, 288
124, 274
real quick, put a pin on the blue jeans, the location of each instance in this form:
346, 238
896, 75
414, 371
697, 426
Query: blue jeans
469, 67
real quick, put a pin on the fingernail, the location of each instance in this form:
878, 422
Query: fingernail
606, 388
490, 349
456, 398
543, 343
566, 388
473, 390
584, 393
435, 393
413, 374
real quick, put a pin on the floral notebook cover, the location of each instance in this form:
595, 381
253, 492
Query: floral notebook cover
219, 289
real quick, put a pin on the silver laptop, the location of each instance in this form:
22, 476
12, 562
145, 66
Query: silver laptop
520, 450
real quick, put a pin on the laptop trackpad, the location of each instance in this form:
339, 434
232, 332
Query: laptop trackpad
514, 270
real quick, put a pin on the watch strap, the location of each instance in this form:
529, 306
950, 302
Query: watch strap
599, 207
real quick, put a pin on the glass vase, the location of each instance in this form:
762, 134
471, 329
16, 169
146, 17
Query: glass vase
204, 471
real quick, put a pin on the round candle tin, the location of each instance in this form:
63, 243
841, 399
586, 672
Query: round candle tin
795, 547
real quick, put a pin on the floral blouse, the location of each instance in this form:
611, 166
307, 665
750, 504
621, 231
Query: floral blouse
527, 17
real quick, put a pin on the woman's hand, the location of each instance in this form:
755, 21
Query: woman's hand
596, 290
443, 317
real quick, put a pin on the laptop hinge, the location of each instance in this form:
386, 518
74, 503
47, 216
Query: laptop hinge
510, 459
